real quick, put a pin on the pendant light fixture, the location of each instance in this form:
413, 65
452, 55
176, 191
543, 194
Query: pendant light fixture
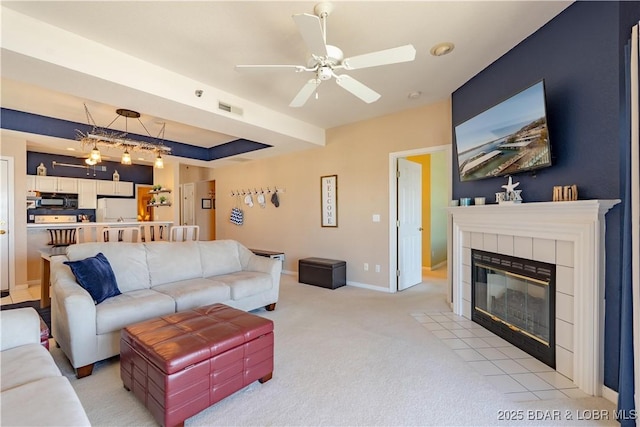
116, 139
126, 157
95, 154
159, 163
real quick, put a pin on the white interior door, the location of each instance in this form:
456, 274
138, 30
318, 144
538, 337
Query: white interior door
188, 203
409, 223
4, 226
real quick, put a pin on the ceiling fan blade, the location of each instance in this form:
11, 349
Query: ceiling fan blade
311, 30
261, 68
394, 55
363, 92
304, 94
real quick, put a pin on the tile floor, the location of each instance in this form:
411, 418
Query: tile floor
511, 370
20, 295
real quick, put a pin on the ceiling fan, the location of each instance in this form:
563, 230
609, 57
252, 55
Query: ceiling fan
325, 59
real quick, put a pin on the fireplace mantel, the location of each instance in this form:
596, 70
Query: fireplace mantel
581, 224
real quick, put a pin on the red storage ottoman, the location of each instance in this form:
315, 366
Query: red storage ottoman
180, 364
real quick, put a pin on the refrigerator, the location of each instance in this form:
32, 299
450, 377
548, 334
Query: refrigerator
116, 210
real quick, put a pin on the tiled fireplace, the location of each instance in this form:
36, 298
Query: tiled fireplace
569, 235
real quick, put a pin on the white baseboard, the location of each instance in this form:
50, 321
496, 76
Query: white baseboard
367, 286
610, 395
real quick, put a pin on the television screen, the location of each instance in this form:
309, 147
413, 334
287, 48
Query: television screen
506, 139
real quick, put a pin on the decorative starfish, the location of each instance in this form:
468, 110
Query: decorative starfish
510, 186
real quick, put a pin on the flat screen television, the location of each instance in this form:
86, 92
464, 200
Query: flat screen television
508, 138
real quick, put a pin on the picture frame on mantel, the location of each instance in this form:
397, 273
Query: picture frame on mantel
329, 200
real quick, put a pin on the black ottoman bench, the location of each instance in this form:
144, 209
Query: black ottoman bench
326, 273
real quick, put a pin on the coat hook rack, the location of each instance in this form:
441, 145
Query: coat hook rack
255, 191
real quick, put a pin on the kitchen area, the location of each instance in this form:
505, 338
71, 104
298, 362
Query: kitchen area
58, 205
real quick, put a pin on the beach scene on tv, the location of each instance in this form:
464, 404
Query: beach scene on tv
508, 138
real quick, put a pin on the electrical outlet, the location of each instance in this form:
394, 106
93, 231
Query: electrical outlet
366, 266
377, 268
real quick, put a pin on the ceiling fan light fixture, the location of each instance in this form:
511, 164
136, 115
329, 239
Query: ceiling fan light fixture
442, 49
326, 59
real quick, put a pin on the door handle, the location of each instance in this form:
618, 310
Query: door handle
3, 232
420, 228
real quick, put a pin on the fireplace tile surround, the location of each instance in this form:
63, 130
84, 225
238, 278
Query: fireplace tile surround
568, 234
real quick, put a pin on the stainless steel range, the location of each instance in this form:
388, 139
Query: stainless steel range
54, 219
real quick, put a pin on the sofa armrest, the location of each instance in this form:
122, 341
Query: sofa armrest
18, 327
264, 264
73, 315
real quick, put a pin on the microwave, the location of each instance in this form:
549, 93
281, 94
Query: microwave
59, 201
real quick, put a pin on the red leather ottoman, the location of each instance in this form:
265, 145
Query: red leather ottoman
180, 364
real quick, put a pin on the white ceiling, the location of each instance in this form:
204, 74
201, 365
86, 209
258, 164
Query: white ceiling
202, 41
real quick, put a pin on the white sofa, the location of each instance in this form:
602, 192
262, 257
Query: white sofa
33, 392
155, 278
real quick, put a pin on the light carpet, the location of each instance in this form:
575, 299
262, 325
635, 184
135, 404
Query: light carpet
347, 356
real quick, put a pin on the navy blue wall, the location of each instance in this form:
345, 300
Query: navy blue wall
138, 174
580, 55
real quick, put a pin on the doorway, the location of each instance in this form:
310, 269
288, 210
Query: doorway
145, 212
7, 257
394, 253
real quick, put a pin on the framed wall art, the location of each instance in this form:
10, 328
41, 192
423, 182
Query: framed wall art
206, 204
329, 200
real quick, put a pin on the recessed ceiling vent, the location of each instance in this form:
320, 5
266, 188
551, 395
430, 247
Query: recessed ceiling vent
229, 108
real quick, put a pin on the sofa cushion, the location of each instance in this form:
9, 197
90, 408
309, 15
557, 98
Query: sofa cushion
96, 276
131, 307
245, 283
128, 261
173, 261
25, 364
219, 257
194, 293
48, 401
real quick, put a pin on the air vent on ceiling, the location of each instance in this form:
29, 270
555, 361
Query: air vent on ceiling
229, 108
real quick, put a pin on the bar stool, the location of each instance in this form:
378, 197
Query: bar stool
181, 233
61, 236
122, 234
89, 233
154, 232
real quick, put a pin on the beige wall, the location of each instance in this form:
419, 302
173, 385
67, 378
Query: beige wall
16, 147
359, 155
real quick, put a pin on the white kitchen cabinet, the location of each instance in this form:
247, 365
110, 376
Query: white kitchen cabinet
87, 194
114, 188
31, 183
56, 184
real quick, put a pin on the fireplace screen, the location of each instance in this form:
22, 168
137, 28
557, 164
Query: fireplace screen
515, 298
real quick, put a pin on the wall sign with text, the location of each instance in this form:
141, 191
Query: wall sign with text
329, 200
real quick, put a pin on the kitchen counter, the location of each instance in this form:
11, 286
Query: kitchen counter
104, 224
38, 238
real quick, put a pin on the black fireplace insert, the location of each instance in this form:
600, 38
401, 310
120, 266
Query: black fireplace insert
515, 299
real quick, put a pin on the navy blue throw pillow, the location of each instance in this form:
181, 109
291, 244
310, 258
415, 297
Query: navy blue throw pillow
96, 276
